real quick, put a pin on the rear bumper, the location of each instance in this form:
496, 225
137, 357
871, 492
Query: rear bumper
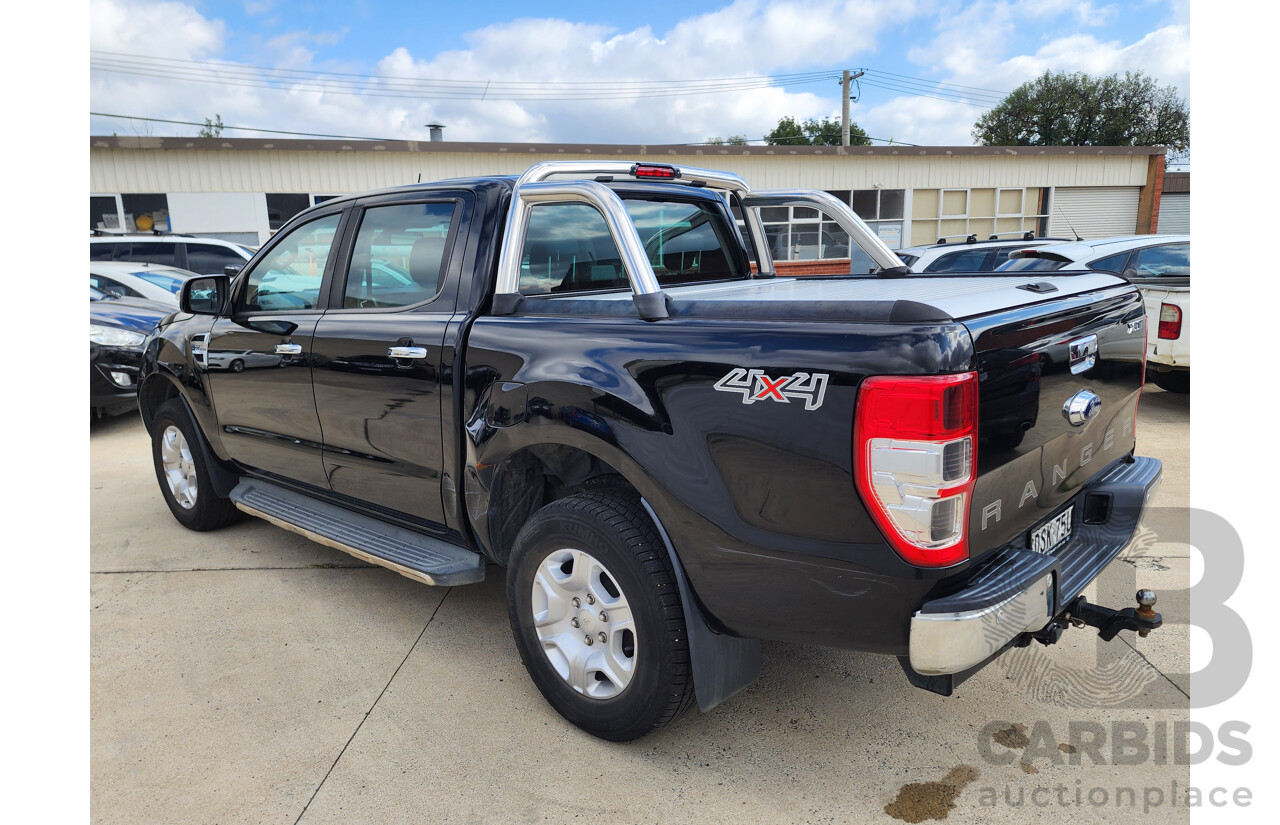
1016, 590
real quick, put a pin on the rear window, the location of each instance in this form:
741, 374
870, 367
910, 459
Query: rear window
970, 260
1030, 265
568, 247
173, 283
908, 260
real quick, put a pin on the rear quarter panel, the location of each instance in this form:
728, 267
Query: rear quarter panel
758, 497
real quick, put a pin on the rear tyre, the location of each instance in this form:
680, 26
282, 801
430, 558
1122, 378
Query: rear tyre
596, 616
237, 365
182, 472
1173, 381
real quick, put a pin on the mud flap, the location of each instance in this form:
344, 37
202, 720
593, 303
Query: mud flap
722, 665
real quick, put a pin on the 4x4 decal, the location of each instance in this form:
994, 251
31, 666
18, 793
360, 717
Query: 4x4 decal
754, 385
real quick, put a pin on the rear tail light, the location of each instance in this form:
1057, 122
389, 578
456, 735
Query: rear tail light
915, 457
654, 170
1170, 322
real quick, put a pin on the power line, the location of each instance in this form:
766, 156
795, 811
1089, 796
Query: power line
226, 74
235, 128
475, 83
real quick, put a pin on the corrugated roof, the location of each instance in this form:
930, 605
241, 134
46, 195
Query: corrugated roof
604, 149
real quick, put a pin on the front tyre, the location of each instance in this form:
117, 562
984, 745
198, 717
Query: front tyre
597, 618
182, 473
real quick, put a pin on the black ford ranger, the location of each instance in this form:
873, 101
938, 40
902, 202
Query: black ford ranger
593, 377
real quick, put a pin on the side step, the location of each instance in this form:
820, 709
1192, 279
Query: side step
421, 558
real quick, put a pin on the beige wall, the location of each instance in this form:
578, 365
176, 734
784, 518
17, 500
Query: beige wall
113, 170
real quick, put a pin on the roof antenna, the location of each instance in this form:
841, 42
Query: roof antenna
419, 177
1068, 220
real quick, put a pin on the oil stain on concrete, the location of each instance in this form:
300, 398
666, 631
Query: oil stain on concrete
919, 801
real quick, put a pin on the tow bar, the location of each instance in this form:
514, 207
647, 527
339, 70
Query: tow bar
1080, 612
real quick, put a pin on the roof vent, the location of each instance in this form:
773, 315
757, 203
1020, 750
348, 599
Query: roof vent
437, 132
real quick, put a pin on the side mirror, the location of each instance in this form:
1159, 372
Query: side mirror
205, 295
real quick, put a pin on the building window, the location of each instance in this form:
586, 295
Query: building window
104, 213
798, 233
145, 213
283, 206
955, 214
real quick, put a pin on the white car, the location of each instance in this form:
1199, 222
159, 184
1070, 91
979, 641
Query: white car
155, 283
1160, 266
206, 256
969, 255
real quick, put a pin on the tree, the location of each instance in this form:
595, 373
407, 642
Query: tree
731, 140
211, 128
814, 132
1061, 109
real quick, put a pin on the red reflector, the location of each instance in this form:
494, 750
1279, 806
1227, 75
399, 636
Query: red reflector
654, 170
1170, 322
915, 462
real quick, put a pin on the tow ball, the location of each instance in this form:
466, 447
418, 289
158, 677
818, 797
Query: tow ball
1080, 612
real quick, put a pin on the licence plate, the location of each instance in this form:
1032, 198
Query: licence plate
1047, 537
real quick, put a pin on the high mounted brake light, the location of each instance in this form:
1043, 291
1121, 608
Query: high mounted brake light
654, 170
915, 457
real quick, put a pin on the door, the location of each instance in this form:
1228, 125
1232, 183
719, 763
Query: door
1094, 211
258, 360
378, 358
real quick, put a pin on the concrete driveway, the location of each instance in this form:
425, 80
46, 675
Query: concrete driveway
249, 675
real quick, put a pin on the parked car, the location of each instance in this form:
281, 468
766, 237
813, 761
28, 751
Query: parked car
969, 255
207, 256
673, 453
118, 329
1160, 266
128, 280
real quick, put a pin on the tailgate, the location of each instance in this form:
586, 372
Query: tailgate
1032, 363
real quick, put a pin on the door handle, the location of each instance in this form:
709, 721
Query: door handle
407, 352
288, 349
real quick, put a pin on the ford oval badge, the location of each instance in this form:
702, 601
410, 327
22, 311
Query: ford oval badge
1081, 407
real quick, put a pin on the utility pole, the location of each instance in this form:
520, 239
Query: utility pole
844, 105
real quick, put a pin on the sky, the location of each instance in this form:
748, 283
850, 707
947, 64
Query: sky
577, 72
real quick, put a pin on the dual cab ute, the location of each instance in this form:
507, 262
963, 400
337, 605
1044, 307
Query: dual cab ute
592, 377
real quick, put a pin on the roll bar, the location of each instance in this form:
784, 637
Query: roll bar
535, 186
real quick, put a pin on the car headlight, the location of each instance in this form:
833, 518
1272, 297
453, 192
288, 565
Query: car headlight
113, 337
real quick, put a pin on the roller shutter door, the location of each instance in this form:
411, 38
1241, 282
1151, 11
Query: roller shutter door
1175, 214
1094, 211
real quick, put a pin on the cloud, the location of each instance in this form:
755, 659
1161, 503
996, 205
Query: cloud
982, 44
164, 29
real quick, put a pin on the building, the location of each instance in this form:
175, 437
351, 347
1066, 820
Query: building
244, 189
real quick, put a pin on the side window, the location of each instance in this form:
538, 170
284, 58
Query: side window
110, 286
289, 277
101, 251
399, 255
970, 260
568, 248
1173, 260
1111, 263
154, 253
207, 259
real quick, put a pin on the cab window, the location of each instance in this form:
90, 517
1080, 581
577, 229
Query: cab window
568, 246
399, 255
288, 278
